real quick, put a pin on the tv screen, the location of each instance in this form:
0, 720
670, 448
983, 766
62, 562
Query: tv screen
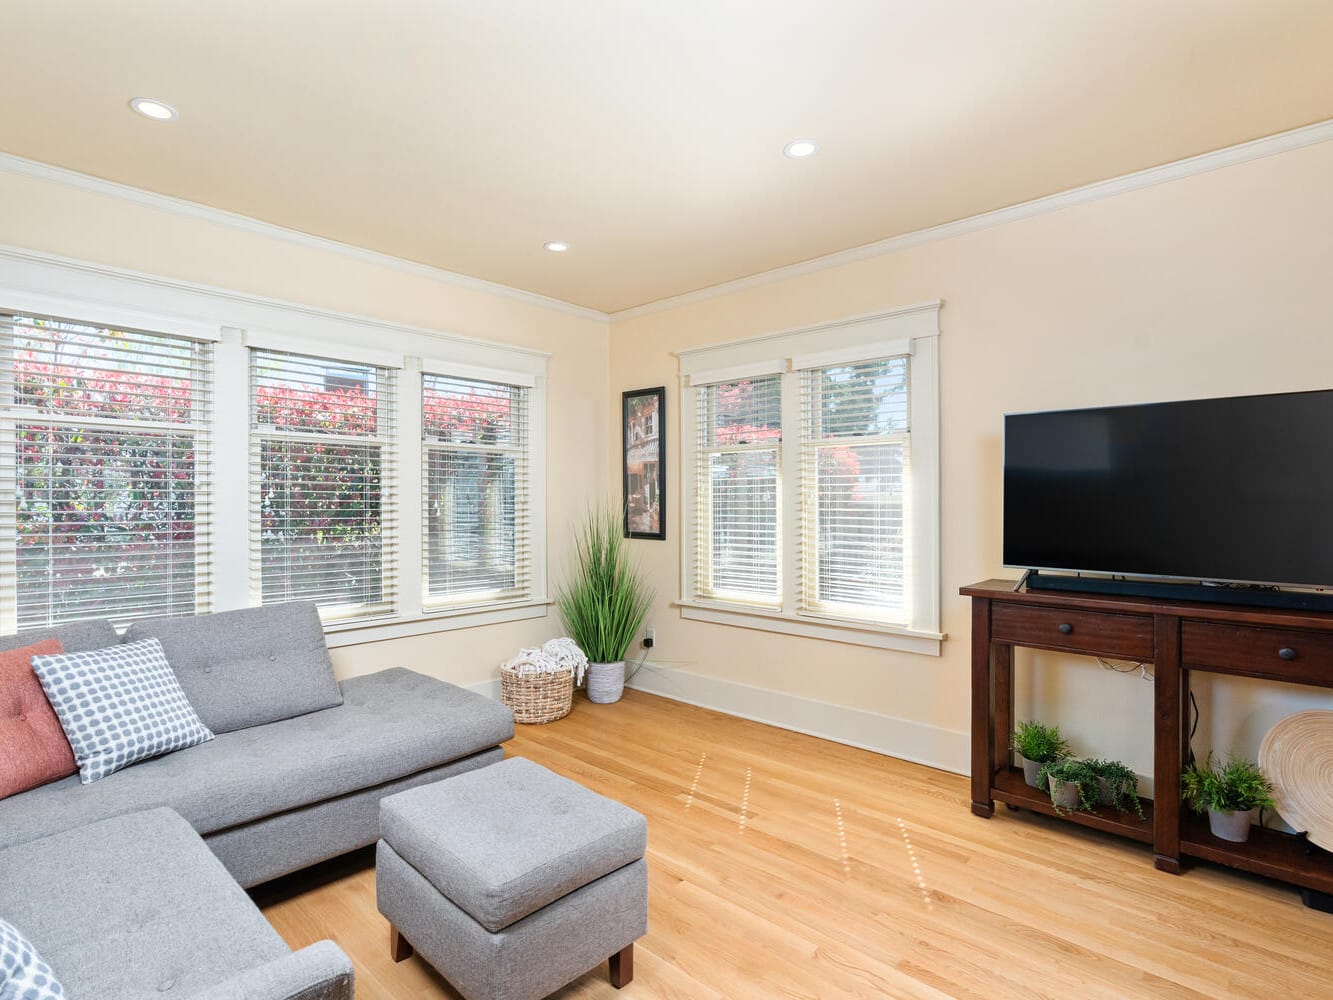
1237, 490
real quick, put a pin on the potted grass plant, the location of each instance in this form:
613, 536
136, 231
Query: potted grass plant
1232, 793
1038, 744
604, 602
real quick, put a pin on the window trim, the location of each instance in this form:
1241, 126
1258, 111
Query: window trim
40, 282
909, 330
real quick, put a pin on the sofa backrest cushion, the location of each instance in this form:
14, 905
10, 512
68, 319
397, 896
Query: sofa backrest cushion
33, 747
76, 637
249, 667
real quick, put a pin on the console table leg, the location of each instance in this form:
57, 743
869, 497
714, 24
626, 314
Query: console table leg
1172, 866
1169, 688
983, 759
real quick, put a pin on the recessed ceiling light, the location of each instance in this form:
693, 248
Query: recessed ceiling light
556, 246
798, 149
156, 110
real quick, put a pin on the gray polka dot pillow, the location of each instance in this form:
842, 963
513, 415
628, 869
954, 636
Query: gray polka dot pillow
23, 974
118, 705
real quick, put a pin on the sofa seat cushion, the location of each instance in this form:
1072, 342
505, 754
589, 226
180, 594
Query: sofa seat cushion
248, 667
33, 747
132, 907
391, 724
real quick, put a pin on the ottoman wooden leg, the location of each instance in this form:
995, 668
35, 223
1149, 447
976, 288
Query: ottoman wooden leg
622, 966
399, 947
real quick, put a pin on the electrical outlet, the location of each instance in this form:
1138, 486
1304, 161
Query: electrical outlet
649, 638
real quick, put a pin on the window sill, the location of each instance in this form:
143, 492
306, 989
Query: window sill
378, 630
857, 634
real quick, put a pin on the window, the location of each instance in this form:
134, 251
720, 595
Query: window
104, 454
476, 505
167, 449
321, 472
813, 503
855, 435
738, 474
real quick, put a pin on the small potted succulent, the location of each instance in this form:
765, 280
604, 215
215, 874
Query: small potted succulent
1072, 784
1038, 744
1117, 786
1231, 793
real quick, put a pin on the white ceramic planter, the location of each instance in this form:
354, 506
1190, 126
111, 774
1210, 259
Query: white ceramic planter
606, 682
1065, 794
1232, 826
1031, 772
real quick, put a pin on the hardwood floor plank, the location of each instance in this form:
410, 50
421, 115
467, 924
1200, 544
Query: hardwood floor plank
836, 872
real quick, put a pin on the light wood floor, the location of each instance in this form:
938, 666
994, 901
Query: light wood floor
786, 866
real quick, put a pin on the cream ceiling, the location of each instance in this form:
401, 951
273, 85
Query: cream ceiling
465, 133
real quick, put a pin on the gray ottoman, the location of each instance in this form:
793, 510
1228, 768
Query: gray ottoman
512, 881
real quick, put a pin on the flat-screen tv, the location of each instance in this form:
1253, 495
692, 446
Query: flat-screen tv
1231, 490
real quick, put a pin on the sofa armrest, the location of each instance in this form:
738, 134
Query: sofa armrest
319, 972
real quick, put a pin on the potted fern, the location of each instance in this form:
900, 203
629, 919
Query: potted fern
604, 602
1231, 793
1038, 744
1117, 786
1072, 783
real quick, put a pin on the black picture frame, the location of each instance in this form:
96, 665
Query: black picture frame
643, 462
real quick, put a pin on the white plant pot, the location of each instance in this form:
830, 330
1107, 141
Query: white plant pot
1032, 772
606, 682
1065, 794
1232, 826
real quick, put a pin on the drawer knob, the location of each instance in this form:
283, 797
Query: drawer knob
1287, 653
1066, 628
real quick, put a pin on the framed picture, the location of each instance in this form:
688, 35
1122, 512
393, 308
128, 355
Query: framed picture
643, 426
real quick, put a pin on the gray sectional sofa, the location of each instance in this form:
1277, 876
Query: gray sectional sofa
293, 776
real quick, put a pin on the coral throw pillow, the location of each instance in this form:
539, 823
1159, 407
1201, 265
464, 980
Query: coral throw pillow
33, 747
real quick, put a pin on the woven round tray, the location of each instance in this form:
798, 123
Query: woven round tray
537, 697
1297, 757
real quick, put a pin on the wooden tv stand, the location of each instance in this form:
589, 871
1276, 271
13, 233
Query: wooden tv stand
1177, 637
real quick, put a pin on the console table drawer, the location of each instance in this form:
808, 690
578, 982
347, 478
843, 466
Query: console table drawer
1080, 631
1282, 654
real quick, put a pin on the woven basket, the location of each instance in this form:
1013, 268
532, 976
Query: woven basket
537, 697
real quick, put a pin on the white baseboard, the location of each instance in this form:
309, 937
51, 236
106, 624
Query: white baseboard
933, 746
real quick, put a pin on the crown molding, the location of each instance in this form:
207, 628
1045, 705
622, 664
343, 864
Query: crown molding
210, 302
178, 206
1244, 152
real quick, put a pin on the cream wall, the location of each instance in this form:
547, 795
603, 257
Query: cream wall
1216, 284
56, 218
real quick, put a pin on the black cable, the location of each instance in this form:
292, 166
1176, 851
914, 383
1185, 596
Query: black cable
1195, 727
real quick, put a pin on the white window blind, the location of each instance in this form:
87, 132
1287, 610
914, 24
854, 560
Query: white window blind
104, 459
322, 516
855, 467
738, 488
477, 529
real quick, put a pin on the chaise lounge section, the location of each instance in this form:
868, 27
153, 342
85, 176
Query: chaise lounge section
137, 906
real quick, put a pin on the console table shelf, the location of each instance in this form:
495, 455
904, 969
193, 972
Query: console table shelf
1012, 789
1178, 637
